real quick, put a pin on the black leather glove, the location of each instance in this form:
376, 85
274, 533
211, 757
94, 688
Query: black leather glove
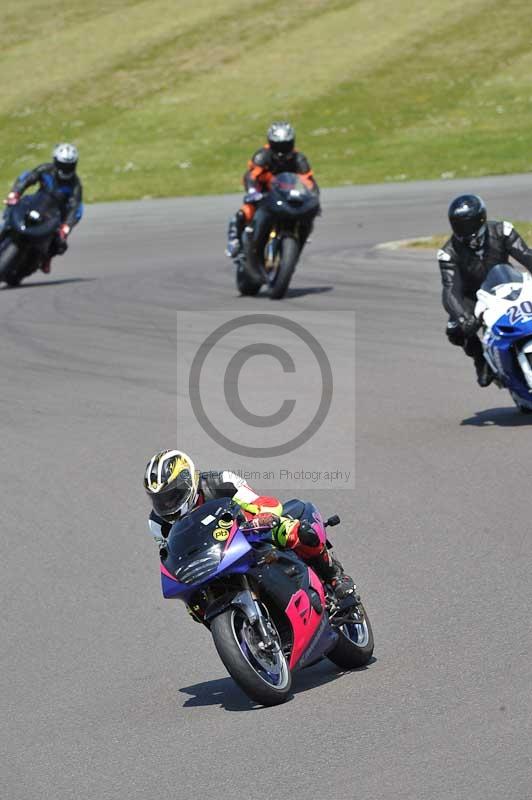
469, 324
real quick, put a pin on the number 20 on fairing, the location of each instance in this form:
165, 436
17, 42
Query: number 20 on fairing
521, 312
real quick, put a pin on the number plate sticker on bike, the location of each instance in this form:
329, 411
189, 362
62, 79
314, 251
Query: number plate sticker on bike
520, 313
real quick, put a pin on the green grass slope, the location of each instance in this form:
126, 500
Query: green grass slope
170, 98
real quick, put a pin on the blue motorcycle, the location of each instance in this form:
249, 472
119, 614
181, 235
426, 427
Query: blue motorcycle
504, 306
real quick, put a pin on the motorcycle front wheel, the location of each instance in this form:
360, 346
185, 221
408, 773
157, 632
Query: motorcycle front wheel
262, 673
8, 271
289, 256
522, 408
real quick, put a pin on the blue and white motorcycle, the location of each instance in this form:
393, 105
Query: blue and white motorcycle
504, 306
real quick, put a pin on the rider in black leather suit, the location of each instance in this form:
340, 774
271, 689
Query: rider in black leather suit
475, 247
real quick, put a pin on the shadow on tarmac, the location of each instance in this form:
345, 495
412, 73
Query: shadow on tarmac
501, 417
224, 692
58, 282
301, 291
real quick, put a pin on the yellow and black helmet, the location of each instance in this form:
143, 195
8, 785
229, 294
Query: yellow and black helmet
171, 483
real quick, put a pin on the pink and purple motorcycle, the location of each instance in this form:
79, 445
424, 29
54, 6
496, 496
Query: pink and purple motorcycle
268, 612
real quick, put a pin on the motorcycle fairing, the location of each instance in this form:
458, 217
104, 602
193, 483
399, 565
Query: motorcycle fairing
49, 213
170, 586
199, 547
295, 589
508, 328
309, 624
289, 198
502, 348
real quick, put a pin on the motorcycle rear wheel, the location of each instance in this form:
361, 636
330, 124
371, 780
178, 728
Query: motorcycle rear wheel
263, 675
355, 645
289, 256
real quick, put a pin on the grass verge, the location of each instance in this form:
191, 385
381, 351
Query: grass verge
172, 98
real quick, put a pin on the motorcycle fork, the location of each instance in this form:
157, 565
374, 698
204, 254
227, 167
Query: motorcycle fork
247, 601
272, 252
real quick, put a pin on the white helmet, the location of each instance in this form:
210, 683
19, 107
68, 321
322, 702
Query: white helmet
65, 159
171, 483
281, 138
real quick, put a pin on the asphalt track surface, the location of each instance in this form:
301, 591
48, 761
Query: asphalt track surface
110, 692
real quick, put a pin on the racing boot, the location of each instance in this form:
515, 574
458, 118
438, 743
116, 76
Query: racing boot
234, 234
342, 583
485, 374
473, 348
330, 570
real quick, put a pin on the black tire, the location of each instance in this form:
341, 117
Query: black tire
521, 408
245, 285
289, 255
224, 633
347, 653
8, 254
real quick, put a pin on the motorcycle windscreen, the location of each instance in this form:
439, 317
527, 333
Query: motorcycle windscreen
501, 276
196, 543
290, 198
290, 185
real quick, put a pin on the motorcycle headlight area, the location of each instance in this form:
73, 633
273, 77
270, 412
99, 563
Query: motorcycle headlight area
195, 569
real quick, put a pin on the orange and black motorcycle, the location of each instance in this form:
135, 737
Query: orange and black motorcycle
273, 241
